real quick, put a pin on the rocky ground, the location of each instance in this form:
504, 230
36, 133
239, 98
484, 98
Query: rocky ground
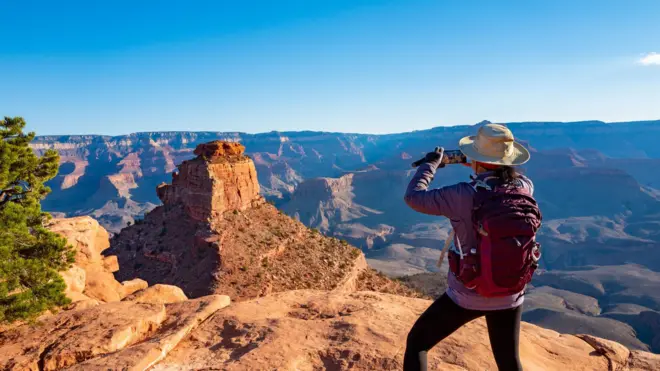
312, 330
158, 329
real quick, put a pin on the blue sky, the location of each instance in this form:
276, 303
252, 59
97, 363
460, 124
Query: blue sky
115, 67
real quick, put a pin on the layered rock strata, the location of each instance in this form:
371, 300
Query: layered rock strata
221, 178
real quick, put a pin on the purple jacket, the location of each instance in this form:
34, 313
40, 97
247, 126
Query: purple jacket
455, 202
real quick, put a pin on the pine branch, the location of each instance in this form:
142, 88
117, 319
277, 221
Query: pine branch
15, 192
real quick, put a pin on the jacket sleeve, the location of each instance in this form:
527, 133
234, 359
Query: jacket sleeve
446, 201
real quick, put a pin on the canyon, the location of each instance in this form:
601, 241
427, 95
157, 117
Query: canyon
594, 182
277, 295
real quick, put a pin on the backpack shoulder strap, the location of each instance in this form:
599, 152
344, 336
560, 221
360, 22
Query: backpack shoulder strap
443, 253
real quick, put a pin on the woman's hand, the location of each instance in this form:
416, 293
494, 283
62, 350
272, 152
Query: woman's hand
435, 158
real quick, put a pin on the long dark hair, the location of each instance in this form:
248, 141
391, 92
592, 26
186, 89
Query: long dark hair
507, 173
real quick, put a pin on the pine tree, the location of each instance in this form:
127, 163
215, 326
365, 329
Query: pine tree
30, 255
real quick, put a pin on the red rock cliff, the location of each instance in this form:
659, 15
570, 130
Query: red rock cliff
221, 178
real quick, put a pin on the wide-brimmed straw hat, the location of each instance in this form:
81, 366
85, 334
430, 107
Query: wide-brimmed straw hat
494, 144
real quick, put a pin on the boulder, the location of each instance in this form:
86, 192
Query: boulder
82, 303
86, 236
131, 286
183, 317
102, 285
118, 336
91, 273
70, 337
158, 294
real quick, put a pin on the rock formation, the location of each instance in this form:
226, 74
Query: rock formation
216, 235
221, 178
91, 278
326, 203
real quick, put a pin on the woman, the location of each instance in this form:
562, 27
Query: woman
493, 153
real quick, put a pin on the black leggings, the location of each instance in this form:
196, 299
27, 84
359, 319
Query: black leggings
444, 317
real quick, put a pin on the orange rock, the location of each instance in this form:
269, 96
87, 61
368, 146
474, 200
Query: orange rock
182, 318
208, 188
116, 336
110, 263
132, 286
309, 330
643, 361
74, 278
91, 273
77, 297
293, 330
86, 236
102, 285
158, 294
219, 148
83, 302
616, 354
72, 336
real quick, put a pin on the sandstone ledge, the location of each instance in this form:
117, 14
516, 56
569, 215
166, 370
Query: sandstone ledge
316, 330
293, 330
114, 336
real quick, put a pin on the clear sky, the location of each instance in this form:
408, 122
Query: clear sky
121, 66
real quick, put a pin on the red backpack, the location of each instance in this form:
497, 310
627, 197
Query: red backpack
506, 218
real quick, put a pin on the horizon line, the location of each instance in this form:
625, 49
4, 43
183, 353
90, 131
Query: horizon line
347, 133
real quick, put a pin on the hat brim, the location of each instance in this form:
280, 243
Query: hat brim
519, 155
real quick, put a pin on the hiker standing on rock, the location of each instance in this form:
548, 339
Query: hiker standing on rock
492, 249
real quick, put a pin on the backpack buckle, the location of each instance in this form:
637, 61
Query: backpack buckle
478, 183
